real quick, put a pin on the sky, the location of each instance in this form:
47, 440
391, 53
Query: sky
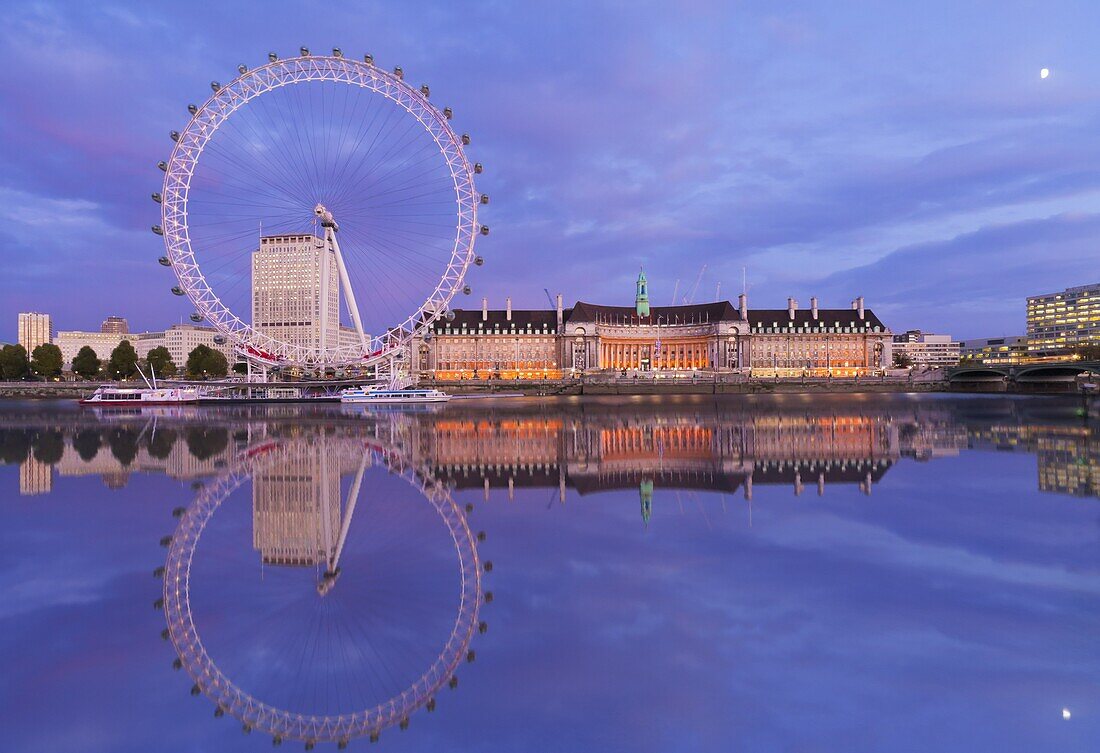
906, 152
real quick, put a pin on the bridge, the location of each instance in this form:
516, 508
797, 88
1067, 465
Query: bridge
1063, 373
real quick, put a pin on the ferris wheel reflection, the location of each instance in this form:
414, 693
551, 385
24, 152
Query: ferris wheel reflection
352, 616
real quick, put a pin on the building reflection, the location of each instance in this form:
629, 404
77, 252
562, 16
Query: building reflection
586, 447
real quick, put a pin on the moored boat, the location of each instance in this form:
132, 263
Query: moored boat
141, 396
385, 396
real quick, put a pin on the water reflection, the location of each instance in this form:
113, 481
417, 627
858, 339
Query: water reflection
590, 447
320, 581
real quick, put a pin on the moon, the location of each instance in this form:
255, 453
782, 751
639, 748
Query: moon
1044, 72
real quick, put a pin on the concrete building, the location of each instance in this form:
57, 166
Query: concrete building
71, 341
116, 325
586, 338
995, 351
181, 339
1059, 323
927, 350
296, 291
34, 329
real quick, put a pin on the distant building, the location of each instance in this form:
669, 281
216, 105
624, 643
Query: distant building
296, 291
928, 350
180, 339
1059, 323
115, 325
526, 344
994, 351
71, 341
34, 329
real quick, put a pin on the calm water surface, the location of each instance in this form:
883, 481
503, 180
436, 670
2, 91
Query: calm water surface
839, 573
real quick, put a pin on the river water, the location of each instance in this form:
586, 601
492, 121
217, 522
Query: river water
787, 573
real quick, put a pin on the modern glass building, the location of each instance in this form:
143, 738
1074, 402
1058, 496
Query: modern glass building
1060, 323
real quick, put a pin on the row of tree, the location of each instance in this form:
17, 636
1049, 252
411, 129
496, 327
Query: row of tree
46, 362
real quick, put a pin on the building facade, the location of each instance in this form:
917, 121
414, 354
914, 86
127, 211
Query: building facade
995, 351
180, 339
34, 329
926, 350
71, 341
713, 337
116, 325
296, 291
1060, 323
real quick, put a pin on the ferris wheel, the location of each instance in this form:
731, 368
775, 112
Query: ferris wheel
318, 211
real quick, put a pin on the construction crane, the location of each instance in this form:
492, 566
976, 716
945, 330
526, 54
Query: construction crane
695, 288
550, 298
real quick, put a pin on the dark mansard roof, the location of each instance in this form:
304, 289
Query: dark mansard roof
699, 312
498, 319
826, 318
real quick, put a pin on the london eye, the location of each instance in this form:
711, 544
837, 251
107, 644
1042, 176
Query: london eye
333, 174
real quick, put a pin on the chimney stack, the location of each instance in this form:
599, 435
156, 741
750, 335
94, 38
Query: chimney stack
853, 304
559, 312
484, 309
743, 306
508, 308
813, 306
859, 306
792, 306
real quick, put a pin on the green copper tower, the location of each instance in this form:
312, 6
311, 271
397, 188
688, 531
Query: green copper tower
641, 300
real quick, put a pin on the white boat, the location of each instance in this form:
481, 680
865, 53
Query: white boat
385, 396
137, 397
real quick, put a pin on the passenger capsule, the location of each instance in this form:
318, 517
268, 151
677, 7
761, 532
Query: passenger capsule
374, 737
430, 705
466, 290
484, 198
174, 135
425, 90
484, 229
397, 71
246, 729
219, 339
164, 634
481, 535
488, 596
177, 290
368, 59
478, 168
163, 166
272, 57
192, 109
276, 741
427, 337
465, 139
215, 86
158, 604
453, 682
448, 113
304, 51
219, 712
404, 723
337, 52
242, 69
164, 261
478, 261
449, 316
309, 745
195, 690
196, 317
157, 229
488, 566
470, 656
483, 627
156, 197
177, 664
342, 744
179, 512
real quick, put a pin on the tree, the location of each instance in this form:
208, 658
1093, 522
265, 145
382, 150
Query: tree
160, 361
902, 360
49, 447
204, 362
13, 362
123, 361
46, 361
204, 443
87, 444
86, 364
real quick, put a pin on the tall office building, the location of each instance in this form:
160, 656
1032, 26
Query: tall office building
34, 329
115, 325
1059, 323
296, 291
296, 516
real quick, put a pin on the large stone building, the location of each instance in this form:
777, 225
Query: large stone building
715, 337
116, 324
34, 329
296, 291
180, 339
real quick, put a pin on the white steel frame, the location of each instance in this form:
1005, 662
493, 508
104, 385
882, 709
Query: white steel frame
263, 349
